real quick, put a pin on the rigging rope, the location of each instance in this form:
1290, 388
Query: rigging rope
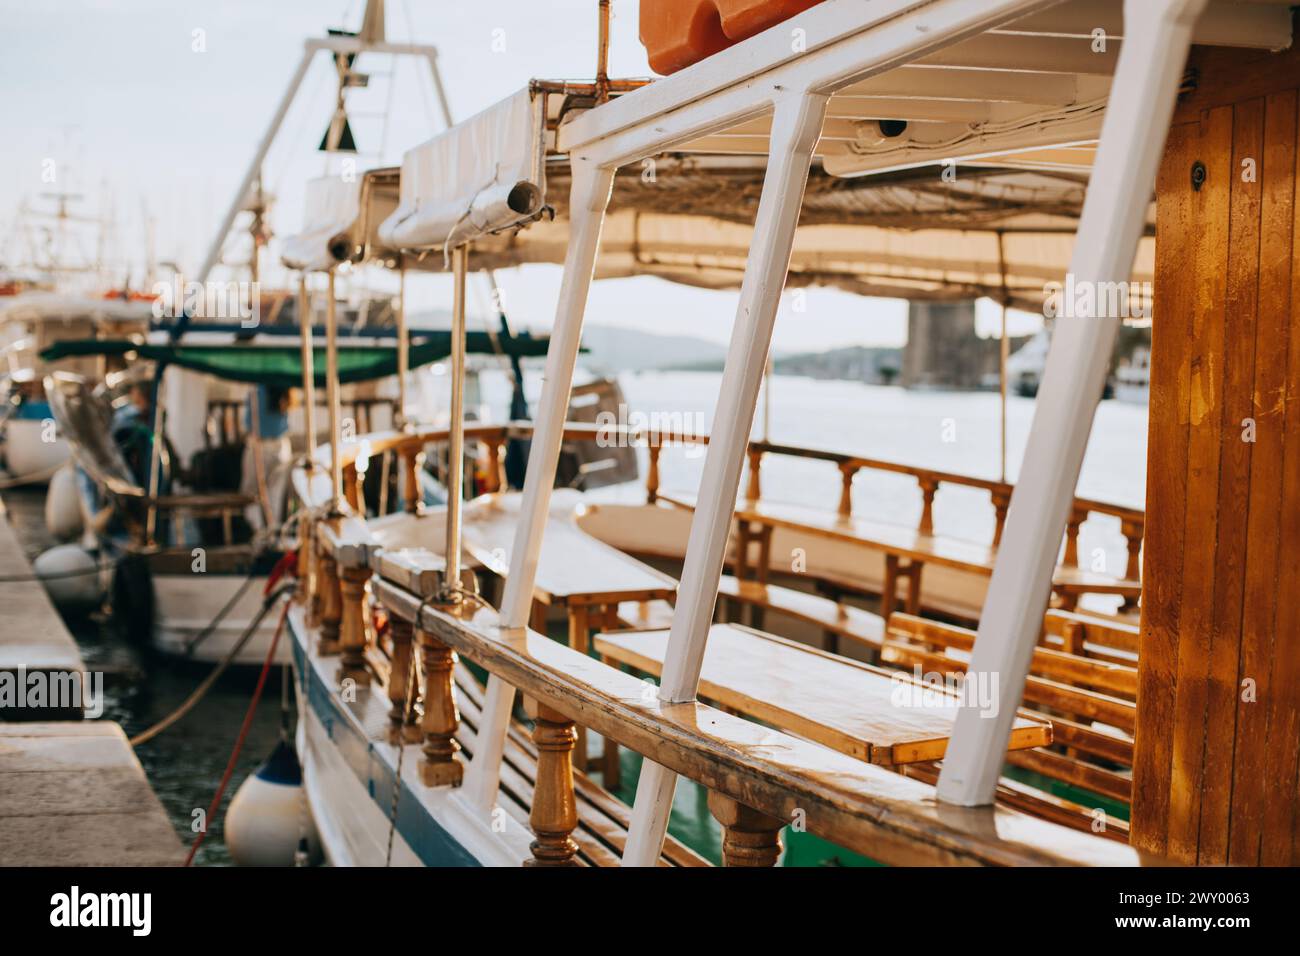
243, 734
202, 690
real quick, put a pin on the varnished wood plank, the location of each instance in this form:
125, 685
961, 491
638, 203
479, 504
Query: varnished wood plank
852, 707
1166, 491
1204, 373
1117, 679
846, 801
1282, 748
1277, 169
573, 565
1229, 561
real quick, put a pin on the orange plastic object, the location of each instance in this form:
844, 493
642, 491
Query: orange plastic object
677, 33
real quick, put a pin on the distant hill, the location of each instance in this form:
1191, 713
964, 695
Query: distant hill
853, 363
611, 349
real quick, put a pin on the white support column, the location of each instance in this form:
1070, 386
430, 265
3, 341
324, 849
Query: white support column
796, 126
332, 396
456, 427
588, 197
308, 372
1157, 35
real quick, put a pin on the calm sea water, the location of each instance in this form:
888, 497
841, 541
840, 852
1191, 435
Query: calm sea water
956, 432
949, 431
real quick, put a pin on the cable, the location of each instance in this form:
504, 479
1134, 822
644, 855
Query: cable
201, 691
207, 632
243, 735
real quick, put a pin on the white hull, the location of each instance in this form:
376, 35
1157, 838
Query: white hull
28, 458
187, 604
348, 771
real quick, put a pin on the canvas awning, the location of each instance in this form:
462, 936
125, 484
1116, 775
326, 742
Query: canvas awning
341, 221
1002, 233
480, 176
279, 363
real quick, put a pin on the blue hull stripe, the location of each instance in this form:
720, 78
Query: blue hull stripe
431, 843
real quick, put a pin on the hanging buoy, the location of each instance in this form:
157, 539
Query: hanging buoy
268, 819
63, 516
70, 576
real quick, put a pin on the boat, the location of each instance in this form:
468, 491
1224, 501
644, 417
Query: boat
428, 763
192, 566
31, 322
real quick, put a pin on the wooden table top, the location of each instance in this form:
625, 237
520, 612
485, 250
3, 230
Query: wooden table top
902, 541
860, 710
574, 567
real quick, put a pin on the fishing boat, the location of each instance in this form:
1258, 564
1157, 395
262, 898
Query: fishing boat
30, 323
1043, 735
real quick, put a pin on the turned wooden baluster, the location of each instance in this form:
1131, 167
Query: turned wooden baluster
652, 471
352, 487
554, 814
330, 606
1077, 517
928, 487
749, 837
1001, 502
353, 633
848, 470
403, 688
442, 765
1132, 531
755, 490
494, 477
411, 459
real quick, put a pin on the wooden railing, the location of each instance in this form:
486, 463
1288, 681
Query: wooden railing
409, 446
755, 788
929, 480
759, 780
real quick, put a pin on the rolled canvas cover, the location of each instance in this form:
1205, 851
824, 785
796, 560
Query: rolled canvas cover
332, 206
479, 177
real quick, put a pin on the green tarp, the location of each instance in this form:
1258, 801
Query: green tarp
281, 365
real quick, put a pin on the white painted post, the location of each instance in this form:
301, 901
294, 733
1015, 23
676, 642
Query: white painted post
403, 348
796, 126
456, 427
588, 197
332, 396
308, 353
1157, 34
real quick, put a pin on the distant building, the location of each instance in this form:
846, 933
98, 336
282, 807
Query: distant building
943, 350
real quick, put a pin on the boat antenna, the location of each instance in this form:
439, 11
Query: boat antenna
602, 53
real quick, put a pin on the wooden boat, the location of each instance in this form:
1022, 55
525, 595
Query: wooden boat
411, 763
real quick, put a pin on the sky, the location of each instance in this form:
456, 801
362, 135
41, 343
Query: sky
152, 109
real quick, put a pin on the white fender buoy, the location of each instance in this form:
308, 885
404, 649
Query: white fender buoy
268, 819
70, 576
63, 518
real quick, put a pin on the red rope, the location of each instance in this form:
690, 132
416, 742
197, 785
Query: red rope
243, 736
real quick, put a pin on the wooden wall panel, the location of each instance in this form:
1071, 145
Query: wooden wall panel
1215, 767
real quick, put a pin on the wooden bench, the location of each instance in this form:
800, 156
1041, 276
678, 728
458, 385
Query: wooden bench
855, 708
1089, 701
849, 802
837, 620
907, 551
1091, 635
